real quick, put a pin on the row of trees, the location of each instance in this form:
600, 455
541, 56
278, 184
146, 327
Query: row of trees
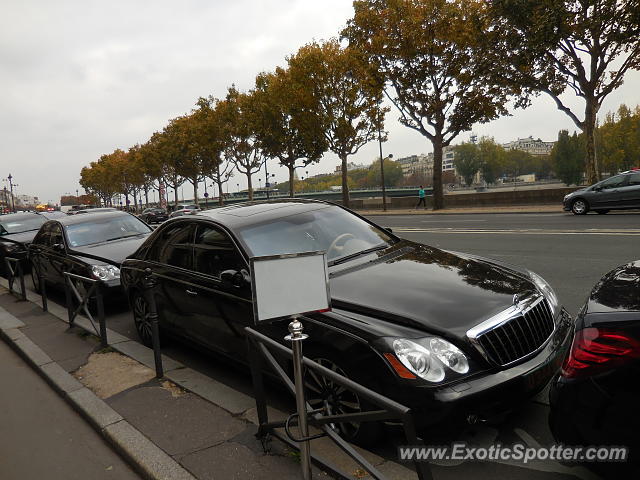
444, 64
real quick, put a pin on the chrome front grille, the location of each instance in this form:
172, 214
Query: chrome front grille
520, 334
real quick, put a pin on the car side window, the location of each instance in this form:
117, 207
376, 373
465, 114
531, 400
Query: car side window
43, 236
173, 246
56, 235
214, 252
613, 182
634, 179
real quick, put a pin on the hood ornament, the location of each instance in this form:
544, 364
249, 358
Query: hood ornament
516, 299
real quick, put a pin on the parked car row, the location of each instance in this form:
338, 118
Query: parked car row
619, 192
456, 337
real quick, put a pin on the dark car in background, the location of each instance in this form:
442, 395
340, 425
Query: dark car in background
92, 246
595, 399
453, 336
618, 192
154, 215
17, 231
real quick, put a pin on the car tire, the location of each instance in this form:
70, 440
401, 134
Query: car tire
579, 207
601, 212
322, 392
141, 320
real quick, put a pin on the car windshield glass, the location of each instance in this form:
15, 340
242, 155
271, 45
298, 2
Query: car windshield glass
98, 229
332, 229
24, 224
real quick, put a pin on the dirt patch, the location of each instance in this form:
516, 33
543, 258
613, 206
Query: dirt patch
174, 389
109, 373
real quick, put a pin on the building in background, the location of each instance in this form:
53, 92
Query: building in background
351, 166
530, 145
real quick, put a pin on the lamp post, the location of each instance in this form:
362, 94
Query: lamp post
238, 185
384, 190
13, 202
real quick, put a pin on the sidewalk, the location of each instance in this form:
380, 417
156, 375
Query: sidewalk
164, 431
42, 437
468, 210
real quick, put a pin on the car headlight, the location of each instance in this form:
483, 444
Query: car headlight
431, 358
105, 272
545, 289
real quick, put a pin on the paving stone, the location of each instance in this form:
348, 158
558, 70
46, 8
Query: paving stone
177, 424
32, 351
154, 463
13, 333
144, 355
8, 321
60, 378
97, 411
218, 393
60, 342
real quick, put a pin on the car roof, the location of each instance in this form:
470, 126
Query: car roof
18, 216
249, 213
74, 219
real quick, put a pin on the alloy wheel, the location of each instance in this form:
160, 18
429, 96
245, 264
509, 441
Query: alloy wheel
579, 207
142, 320
335, 399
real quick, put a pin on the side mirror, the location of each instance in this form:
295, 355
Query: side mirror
58, 247
388, 229
233, 278
597, 189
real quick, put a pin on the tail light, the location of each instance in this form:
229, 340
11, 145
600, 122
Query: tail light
597, 350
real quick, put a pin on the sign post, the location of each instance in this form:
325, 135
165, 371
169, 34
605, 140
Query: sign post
287, 286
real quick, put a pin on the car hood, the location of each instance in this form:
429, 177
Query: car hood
23, 237
426, 288
617, 291
576, 192
113, 252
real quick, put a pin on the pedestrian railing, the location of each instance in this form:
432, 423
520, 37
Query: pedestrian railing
15, 271
260, 350
77, 302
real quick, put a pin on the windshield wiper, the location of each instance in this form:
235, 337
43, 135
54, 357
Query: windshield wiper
357, 254
123, 236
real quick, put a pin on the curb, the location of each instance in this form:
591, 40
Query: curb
475, 211
143, 455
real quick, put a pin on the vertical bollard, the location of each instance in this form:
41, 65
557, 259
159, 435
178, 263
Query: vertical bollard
150, 284
43, 291
296, 336
67, 291
23, 290
104, 343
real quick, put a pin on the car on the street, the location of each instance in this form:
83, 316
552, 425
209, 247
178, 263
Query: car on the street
183, 211
17, 231
453, 336
619, 192
154, 215
92, 210
92, 246
595, 398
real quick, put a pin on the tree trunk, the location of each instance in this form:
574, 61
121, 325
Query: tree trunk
249, 187
593, 172
146, 196
194, 181
220, 195
438, 201
175, 194
345, 183
291, 185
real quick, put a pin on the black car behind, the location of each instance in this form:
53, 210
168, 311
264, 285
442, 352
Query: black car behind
92, 246
595, 400
154, 215
17, 231
452, 336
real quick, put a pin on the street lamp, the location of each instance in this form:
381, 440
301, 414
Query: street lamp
13, 202
384, 190
238, 185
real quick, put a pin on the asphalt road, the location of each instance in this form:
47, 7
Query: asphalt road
571, 252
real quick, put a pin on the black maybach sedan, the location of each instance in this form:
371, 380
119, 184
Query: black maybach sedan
91, 246
452, 336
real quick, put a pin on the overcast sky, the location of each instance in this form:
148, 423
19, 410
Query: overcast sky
81, 78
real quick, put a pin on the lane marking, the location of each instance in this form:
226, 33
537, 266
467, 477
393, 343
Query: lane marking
524, 231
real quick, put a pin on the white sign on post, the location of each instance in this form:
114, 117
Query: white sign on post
286, 285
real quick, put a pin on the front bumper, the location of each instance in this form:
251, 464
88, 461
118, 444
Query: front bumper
492, 393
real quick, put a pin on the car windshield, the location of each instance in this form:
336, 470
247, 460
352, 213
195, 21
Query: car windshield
97, 229
21, 224
332, 229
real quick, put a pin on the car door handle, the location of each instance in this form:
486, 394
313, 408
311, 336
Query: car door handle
191, 292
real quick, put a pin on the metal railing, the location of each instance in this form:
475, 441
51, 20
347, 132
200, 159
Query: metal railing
259, 351
14, 269
72, 284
